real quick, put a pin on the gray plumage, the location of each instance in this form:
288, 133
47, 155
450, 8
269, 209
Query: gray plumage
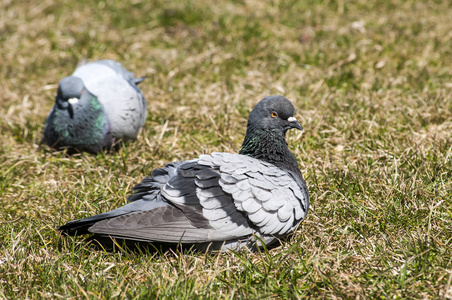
218, 201
97, 106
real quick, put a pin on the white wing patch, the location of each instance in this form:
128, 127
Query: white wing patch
269, 196
124, 106
221, 212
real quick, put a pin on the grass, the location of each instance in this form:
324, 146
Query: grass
371, 82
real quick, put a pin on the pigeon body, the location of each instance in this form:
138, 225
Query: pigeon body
95, 107
219, 201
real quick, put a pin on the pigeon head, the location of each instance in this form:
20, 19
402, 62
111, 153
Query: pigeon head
266, 131
72, 94
274, 113
70, 90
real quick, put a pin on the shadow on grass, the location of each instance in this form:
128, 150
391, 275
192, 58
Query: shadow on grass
115, 245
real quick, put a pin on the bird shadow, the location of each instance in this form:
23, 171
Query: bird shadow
75, 152
115, 245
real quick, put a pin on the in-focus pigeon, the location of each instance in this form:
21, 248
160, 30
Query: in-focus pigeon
97, 106
218, 201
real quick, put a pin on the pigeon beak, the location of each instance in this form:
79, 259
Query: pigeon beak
72, 101
72, 105
294, 123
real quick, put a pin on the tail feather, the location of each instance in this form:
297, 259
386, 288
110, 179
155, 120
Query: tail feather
138, 80
147, 197
81, 226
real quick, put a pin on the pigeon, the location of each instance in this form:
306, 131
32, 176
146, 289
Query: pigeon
95, 108
221, 201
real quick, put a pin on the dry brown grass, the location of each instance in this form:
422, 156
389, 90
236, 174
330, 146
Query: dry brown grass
372, 86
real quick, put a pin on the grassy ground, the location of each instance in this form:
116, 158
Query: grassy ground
371, 82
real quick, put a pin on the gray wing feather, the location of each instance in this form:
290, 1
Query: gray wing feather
238, 195
269, 196
197, 187
118, 68
263, 194
285, 212
214, 203
81, 226
251, 205
164, 224
219, 214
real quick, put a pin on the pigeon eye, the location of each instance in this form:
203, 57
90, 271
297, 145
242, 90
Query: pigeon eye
274, 114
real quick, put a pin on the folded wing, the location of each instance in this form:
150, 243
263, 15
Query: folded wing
115, 88
220, 197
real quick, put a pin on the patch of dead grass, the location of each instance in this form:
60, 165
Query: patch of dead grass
371, 84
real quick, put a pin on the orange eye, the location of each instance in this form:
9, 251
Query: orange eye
274, 115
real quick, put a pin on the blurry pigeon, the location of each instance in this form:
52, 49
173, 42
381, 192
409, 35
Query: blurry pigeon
218, 201
96, 107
